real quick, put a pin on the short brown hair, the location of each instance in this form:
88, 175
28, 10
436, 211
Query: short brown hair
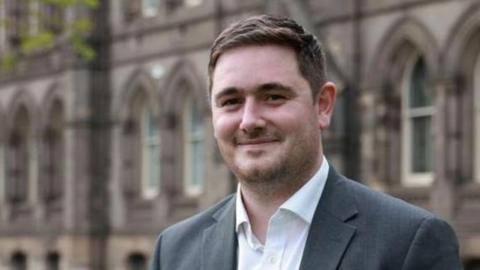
267, 30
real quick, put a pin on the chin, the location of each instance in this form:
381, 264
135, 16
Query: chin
256, 173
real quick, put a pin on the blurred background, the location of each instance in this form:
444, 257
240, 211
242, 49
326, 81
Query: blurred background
105, 133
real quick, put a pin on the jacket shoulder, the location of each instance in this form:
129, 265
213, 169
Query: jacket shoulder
374, 201
201, 220
179, 246
420, 239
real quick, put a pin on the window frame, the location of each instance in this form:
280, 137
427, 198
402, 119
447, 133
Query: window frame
476, 117
18, 19
136, 260
53, 261
19, 261
409, 177
191, 139
149, 145
21, 160
53, 164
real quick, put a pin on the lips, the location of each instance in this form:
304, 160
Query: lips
256, 141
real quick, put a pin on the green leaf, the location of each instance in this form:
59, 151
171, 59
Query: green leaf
60, 3
82, 26
76, 31
42, 40
90, 3
8, 62
83, 49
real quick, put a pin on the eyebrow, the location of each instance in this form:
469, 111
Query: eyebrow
262, 88
274, 86
225, 92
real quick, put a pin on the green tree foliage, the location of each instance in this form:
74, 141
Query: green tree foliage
51, 27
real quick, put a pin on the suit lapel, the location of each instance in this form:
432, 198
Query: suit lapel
219, 241
329, 234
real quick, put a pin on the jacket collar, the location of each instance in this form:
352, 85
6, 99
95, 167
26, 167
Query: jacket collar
329, 235
219, 241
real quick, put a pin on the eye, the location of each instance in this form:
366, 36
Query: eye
275, 98
230, 102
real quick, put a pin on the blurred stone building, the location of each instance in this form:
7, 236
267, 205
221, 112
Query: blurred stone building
97, 158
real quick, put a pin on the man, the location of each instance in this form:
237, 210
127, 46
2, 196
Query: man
270, 100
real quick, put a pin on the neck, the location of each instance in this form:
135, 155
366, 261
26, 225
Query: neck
262, 199
259, 210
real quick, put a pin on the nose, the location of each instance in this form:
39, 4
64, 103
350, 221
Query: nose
252, 119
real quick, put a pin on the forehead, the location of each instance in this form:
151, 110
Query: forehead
248, 66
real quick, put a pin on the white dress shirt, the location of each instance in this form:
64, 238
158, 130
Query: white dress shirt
287, 229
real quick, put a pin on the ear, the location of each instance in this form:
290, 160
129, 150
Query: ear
325, 102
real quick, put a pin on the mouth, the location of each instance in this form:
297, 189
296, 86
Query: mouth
256, 142
256, 147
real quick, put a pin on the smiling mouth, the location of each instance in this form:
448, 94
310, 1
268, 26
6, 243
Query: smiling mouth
256, 142
247, 141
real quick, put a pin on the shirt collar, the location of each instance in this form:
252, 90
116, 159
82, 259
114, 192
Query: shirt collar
241, 213
302, 203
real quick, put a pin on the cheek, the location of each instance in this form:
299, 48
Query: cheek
299, 125
224, 127
294, 119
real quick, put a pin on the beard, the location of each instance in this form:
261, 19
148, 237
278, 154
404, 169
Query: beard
285, 166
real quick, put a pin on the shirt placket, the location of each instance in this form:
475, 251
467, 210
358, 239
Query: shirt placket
275, 243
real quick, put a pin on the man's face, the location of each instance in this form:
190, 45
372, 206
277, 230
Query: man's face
266, 122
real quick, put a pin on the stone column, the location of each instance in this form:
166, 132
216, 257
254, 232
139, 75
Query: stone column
446, 146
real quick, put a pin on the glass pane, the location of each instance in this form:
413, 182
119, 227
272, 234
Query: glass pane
194, 145
476, 116
419, 94
150, 7
422, 141
19, 261
192, 3
150, 153
197, 164
152, 126
137, 262
154, 160
196, 124
53, 261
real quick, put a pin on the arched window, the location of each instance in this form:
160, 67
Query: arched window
136, 261
418, 110
150, 143
141, 149
53, 261
18, 261
52, 17
193, 135
130, 162
477, 119
19, 20
52, 169
18, 158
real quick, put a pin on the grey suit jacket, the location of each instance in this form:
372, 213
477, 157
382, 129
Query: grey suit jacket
353, 228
